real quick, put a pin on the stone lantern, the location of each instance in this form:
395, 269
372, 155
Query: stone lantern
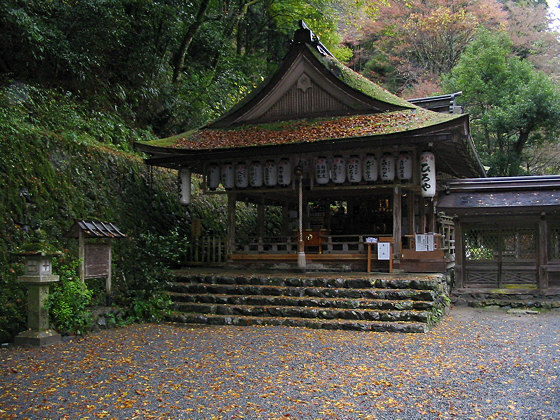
38, 277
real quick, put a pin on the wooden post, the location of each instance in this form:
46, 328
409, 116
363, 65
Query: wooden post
230, 245
369, 244
459, 255
397, 220
542, 274
301, 246
422, 215
411, 214
82, 255
108, 285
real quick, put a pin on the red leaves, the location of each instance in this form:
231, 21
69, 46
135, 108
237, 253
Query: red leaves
303, 131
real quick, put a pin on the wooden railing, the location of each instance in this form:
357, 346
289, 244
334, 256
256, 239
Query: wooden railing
347, 244
270, 245
207, 250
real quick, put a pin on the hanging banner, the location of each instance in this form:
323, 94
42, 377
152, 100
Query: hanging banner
321, 170
428, 174
404, 167
354, 169
213, 176
255, 174
370, 169
338, 170
387, 167
270, 173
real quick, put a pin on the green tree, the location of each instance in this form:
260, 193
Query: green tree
512, 105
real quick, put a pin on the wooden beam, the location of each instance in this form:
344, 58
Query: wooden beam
459, 255
411, 213
542, 259
397, 220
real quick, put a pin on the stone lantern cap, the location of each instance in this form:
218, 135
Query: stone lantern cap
38, 262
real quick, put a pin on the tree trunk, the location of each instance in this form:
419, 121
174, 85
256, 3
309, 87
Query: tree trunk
521, 141
179, 59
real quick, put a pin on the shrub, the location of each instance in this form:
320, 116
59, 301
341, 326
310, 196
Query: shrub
68, 301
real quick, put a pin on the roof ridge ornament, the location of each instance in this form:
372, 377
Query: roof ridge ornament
307, 36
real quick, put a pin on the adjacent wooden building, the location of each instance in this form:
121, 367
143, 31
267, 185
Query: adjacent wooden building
346, 161
507, 233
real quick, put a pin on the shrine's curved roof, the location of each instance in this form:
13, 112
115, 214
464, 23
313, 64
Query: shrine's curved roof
306, 130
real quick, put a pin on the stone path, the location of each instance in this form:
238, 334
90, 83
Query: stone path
477, 364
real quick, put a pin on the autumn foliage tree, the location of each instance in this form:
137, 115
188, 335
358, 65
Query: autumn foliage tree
408, 43
512, 105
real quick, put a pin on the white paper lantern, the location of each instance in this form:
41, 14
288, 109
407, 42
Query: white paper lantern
255, 174
270, 173
213, 176
354, 169
404, 167
370, 168
227, 175
185, 186
321, 170
241, 176
428, 174
284, 172
387, 167
338, 170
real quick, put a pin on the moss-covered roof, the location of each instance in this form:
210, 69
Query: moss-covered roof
305, 130
357, 81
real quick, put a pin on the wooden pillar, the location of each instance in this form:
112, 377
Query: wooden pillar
82, 255
260, 218
411, 214
421, 214
230, 244
302, 264
108, 285
544, 237
433, 218
459, 255
397, 220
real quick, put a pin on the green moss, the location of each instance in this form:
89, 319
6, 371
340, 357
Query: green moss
359, 82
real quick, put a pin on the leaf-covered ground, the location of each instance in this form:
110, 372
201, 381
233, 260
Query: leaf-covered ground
476, 364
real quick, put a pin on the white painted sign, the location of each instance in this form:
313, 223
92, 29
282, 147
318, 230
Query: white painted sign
424, 242
384, 251
370, 240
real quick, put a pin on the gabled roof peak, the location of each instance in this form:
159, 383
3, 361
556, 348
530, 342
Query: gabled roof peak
304, 35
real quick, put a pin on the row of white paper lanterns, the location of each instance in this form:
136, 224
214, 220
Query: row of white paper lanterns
354, 170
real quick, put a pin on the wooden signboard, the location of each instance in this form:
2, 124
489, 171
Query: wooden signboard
97, 260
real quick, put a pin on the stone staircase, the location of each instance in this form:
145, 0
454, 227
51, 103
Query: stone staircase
394, 303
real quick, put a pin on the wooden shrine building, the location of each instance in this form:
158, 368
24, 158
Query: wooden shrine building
346, 161
507, 233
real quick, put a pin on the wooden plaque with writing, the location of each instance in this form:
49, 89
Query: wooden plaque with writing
97, 260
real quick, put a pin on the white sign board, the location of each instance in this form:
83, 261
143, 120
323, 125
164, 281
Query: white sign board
384, 251
424, 242
370, 240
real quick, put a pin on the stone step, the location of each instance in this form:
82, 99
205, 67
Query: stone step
328, 282
264, 300
303, 312
315, 323
297, 291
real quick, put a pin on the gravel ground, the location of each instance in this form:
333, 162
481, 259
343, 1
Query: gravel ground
483, 364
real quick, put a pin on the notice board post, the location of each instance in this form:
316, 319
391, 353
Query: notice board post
94, 250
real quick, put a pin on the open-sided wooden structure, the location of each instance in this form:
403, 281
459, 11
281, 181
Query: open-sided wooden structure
507, 232
343, 158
